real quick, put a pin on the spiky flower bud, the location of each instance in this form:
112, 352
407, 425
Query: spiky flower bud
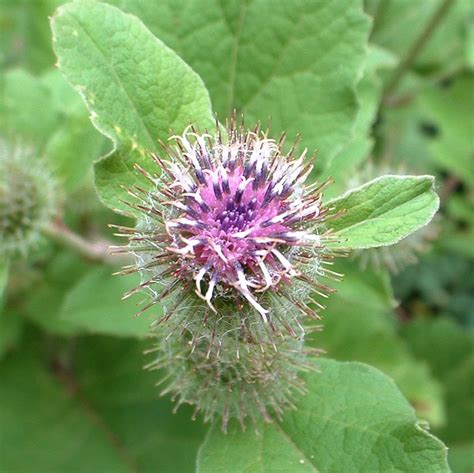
231, 241
396, 257
26, 198
244, 381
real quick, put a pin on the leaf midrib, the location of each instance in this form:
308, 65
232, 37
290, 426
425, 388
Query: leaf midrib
118, 81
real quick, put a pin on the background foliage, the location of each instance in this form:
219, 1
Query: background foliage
388, 82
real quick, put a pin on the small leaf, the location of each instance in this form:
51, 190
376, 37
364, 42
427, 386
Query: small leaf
45, 298
383, 211
137, 89
353, 420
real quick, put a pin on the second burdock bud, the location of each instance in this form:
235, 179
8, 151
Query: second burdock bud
27, 198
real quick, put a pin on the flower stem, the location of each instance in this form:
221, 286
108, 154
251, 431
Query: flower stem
96, 252
418, 45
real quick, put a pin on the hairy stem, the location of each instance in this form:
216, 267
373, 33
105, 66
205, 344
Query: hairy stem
97, 252
418, 45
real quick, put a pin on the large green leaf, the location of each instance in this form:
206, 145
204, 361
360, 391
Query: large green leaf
449, 350
354, 419
46, 429
294, 61
360, 325
137, 89
383, 211
99, 413
155, 438
354, 153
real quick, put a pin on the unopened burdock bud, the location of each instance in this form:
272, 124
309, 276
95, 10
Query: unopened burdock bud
246, 382
26, 198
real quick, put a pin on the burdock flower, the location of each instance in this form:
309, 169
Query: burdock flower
231, 241
231, 229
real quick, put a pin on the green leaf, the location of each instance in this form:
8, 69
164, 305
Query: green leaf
353, 419
461, 458
449, 350
369, 93
101, 416
268, 60
383, 211
95, 305
154, 437
56, 432
72, 149
137, 89
360, 325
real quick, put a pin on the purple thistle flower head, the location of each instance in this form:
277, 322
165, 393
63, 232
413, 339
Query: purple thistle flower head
231, 221
231, 242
